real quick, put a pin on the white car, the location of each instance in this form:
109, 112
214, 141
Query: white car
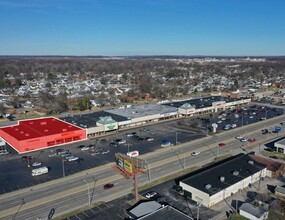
250, 116
223, 119
105, 152
243, 140
122, 142
233, 125
195, 153
219, 122
72, 158
85, 148
36, 164
239, 137
150, 194
149, 139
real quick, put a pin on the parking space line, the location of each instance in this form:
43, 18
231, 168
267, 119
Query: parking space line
85, 214
77, 217
120, 216
106, 205
92, 211
99, 208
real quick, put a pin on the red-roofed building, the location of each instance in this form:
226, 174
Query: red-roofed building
37, 134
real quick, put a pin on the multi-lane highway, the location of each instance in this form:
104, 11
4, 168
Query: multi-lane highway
69, 193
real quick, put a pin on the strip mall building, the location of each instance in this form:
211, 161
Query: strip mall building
37, 134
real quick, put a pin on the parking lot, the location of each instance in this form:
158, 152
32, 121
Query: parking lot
15, 171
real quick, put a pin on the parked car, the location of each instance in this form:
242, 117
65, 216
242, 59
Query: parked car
108, 186
105, 152
81, 146
177, 188
150, 194
149, 139
27, 158
36, 164
129, 134
72, 158
96, 152
160, 199
53, 154
113, 144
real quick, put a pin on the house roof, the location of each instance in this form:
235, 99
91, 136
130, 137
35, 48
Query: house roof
167, 212
34, 128
251, 209
272, 165
221, 175
142, 208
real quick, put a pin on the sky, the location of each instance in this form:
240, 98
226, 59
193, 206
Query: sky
142, 27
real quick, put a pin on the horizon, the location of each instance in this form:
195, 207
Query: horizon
112, 28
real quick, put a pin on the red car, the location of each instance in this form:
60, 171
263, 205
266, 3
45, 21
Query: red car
222, 144
251, 140
108, 186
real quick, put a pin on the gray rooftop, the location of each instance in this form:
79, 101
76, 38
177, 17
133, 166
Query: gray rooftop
201, 102
143, 208
251, 209
281, 142
89, 120
280, 189
232, 170
166, 213
136, 111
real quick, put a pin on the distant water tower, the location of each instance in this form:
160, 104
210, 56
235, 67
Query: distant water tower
214, 125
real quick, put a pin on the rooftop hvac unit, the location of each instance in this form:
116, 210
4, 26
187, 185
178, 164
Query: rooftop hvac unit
208, 186
222, 178
236, 173
250, 162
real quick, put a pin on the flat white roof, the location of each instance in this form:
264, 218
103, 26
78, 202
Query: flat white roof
137, 111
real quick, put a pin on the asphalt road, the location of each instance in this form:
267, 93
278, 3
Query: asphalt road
71, 192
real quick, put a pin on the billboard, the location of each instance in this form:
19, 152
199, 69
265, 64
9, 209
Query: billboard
128, 166
120, 161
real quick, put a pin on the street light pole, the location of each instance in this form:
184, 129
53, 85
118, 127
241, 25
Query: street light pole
88, 190
218, 154
198, 206
22, 203
184, 160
